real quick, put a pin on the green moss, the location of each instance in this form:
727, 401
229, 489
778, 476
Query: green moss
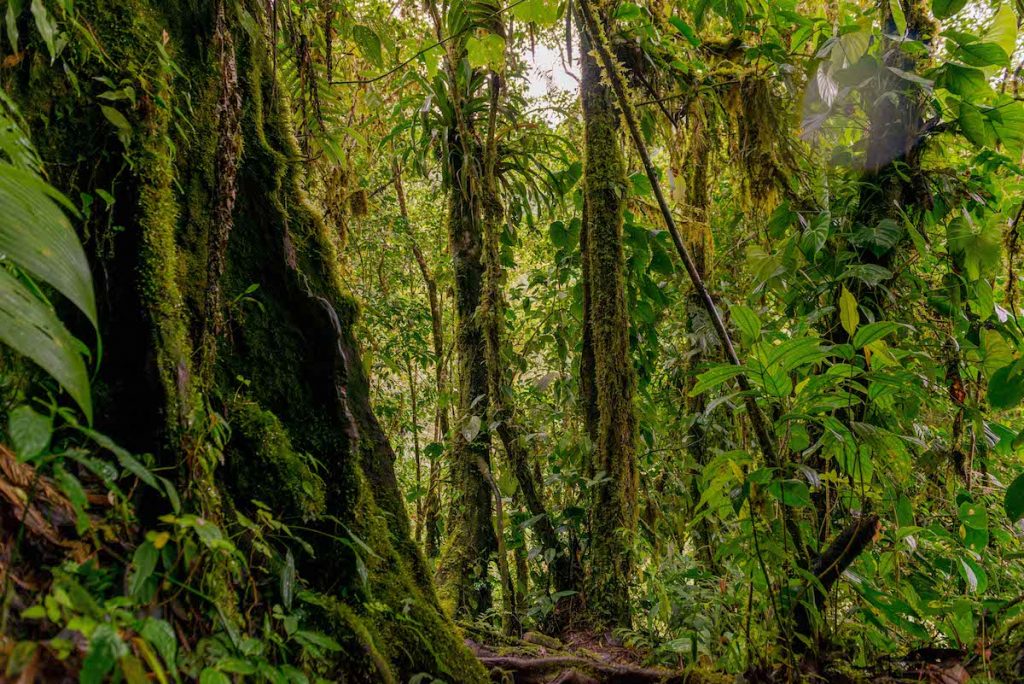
467, 553
613, 516
263, 465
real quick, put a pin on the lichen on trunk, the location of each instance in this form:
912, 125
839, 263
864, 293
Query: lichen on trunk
613, 510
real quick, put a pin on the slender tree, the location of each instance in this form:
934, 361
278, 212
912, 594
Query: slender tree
463, 566
609, 382
432, 505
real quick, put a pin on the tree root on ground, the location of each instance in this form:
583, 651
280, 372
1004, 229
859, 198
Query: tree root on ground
543, 667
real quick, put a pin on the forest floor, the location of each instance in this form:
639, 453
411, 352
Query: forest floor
581, 658
589, 658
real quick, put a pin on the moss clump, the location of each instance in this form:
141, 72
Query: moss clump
263, 465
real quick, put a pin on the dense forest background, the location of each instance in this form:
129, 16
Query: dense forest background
546, 341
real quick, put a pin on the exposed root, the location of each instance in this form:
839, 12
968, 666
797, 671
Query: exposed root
551, 666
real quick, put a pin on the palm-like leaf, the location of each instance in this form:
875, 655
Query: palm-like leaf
36, 238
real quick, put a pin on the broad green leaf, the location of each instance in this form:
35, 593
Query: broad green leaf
981, 54
29, 431
849, 49
288, 579
973, 515
879, 238
117, 118
857, 463
974, 125
641, 184
790, 492
628, 10
685, 30
794, 353
45, 26
848, 314
72, 487
1003, 29
967, 82
486, 51
995, 352
30, 327
319, 640
11, 19
974, 575
898, 17
979, 243
904, 511
432, 59
369, 44
143, 564
559, 235
105, 647
974, 539
37, 236
816, 234
540, 12
211, 676
872, 332
982, 299
714, 377
124, 457
1014, 499
775, 382
747, 322
161, 635
1006, 386
1007, 120
943, 9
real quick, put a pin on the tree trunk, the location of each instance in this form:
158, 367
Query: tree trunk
503, 408
305, 392
691, 155
432, 505
613, 512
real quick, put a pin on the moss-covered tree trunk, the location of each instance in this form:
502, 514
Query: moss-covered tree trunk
462, 581
209, 196
613, 507
893, 184
504, 415
467, 552
691, 156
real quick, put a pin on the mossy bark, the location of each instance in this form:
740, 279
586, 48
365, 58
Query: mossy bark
504, 414
893, 183
613, 510
691, 156
285, 374
462, 581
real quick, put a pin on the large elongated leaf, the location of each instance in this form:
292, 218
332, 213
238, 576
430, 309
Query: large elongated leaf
37, 236
30, 327
943, 9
